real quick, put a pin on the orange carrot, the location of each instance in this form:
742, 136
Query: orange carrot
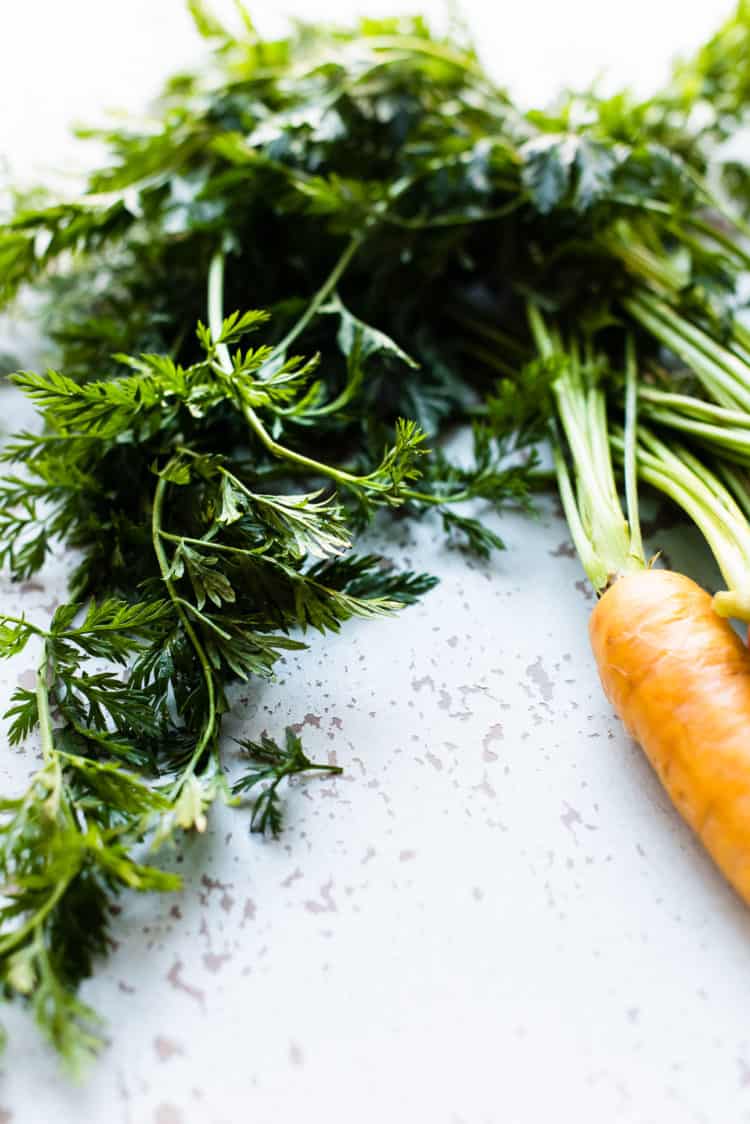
670, 663
679, 678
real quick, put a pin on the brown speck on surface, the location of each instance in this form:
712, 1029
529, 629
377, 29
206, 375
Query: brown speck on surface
564, 550
248, 912
485, 787
290, 878
296, 1056
166, 1048
571, 818
174, 977
176, 912
327, 904
494, 734
215, 961
214, 884
584, 587
537, 673
123, 986
5, 1116
406, 856
227, 902
27, 679
308, 720
167, 1114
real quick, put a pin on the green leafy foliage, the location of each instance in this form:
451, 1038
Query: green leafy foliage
394, 213
273, 764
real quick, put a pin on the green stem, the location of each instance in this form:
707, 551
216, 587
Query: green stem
539, 331
283, 451
725, 376
592, 509
209, 727
322, 294
695, 407
737, 485
24, 623
43, 708
731, 245
631, 448
215, 318
596, 573
643, 262
730, 442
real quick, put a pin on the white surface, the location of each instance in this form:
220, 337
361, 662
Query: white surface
494, 916
95, 55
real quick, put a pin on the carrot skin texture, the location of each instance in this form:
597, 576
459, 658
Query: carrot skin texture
679, 678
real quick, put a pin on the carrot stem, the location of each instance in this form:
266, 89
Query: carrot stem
606, 545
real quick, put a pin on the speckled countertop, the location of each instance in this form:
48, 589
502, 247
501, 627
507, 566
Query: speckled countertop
494, 916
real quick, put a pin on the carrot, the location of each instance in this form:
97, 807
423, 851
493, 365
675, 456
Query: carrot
673, 668
679, 678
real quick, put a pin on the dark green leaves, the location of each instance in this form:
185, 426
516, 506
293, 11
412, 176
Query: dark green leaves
567, 170
272, 765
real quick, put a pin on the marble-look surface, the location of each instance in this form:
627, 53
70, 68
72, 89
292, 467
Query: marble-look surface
493, 917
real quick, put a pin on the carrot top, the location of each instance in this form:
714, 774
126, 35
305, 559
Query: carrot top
608, 543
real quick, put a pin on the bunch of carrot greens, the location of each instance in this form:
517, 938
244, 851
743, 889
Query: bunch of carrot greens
441, 259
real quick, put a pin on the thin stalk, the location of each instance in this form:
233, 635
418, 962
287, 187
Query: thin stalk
644, 262
695, 407
539, 331
722, 239
22, 621
590, 561
697, 479
631, 448
736, 484
216, 307
215, 320
727, 440
695, 337
742, 336
728, 382
322, 294
209, 726
43, 708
